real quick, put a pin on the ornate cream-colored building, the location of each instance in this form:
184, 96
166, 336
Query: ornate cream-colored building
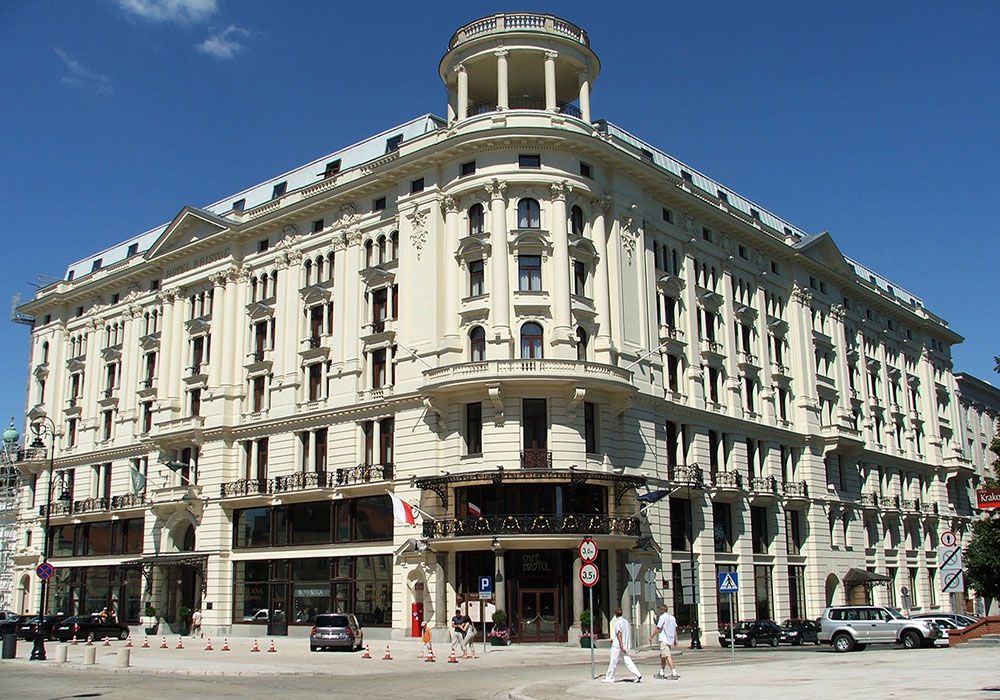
520, 320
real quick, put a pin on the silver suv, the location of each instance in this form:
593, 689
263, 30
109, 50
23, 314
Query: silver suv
853, 627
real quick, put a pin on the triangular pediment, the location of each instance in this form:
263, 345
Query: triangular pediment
189, 226
823, 249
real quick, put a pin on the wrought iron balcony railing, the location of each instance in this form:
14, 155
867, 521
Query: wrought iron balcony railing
245, 487
795, 489
536, 458
302, 481
767, 484
363, 474
728, 479
692, 475
534, 524
525, 102
128, 500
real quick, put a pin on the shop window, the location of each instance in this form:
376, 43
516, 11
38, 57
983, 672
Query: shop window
759, 530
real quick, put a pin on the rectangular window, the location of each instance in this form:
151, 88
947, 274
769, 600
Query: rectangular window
759, 530
108, 417
706, 234
891, 587
476, 278
579, 279
668, 215
257, 403
332, 168
279, 190
239, 205
392, 143
763, 594
316, 381
318, 225
680, 524
263, 245
586, 170
368, 435
722, 518
474, 428
797, 592
468, 168
534, 422
195, 403
417, 185
590, 426
793, 531
378, 369
931, 592
529, 273
96, 265
378, 204
914, 588
533, 161
673, 372
386, 440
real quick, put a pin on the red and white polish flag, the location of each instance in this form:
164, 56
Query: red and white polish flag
474, 510
402, 511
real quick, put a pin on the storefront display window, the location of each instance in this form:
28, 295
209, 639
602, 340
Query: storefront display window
101, 538
366, 519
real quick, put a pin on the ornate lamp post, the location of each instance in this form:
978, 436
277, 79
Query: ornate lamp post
42, 425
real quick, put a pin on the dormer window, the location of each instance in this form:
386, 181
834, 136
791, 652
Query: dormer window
392, 143
239, 205
96, 265
132, 250
279, 190
332, 168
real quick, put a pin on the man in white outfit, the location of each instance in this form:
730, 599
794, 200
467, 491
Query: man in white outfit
666, 626
621, 642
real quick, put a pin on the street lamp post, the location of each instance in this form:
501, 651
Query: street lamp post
695, 632
43, 425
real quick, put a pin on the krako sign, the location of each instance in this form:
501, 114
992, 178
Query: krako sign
988, 498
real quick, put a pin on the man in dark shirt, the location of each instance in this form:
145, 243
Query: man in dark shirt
458, 628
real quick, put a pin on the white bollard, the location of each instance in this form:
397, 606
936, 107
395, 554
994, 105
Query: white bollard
124, 658
90, 656
61, 652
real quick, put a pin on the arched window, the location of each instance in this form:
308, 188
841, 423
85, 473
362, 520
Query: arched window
576, 221
329, 266
477, 220
477, 344
581, 344
656, 255
381, 250
531, 341
45, 352
319, 269
369, 249
528, 213
253, 289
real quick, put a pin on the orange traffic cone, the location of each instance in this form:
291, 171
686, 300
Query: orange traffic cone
255, 647
430, 656
225, 644
180, 644
452, 659
387, 656
367, 653
163, 643
208, 647
107, 642
145, 642
271, 648
128, 642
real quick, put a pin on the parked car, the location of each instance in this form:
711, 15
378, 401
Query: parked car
258, 616
798, 632
751, 633
944, 624
27, 628
9, 622
336, 631
853, 627
89, 627
958, 620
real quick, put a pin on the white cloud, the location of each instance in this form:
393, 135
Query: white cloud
177, 11
226, 44
81, 77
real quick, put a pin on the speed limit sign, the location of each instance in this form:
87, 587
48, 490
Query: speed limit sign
588, 550
589, 575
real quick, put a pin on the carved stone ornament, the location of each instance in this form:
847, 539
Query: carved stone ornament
560, 190
629, 236
838, 312
347, 215
495, 188
688, 225
418, 229
290, 231
448, 203
601, 204
801, 294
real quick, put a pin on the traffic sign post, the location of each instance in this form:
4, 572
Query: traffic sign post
486, 588
729, 582
589, 576
948, 539
45, 571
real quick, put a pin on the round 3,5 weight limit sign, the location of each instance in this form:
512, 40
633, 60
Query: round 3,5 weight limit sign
589, 575
588, 551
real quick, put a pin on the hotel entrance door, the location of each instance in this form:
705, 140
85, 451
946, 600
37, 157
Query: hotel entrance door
538, 613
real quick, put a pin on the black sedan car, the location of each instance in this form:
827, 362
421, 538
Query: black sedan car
26, 630
799, 632
89, 627
751, 633
9, 622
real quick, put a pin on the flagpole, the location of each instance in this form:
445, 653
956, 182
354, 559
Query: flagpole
420, 510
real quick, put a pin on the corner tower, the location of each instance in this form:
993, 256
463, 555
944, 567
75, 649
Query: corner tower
521, 60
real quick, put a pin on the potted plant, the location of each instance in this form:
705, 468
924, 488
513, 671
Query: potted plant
150, 622
183, 618
499, 636
587, 637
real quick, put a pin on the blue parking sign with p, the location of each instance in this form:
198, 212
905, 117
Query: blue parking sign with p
485, 586
729, 582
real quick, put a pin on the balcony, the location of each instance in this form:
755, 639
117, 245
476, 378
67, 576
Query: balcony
869, 501
726, 484
711, 349
305, 481
379, 332
692, 476
536, 458
671, 336
363, 474
572, 524
748, 361
128, 501
911, 506
25, 456
566, 372
796, 494
518, 22
81, 507
763, 488
242, 488
525, 102
888, 503
169, 499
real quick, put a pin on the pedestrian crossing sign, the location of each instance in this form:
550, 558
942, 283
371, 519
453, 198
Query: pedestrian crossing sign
729, 582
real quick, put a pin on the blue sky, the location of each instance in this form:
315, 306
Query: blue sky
874, 121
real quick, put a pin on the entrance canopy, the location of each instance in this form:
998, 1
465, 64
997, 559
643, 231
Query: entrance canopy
862, 577
145, 564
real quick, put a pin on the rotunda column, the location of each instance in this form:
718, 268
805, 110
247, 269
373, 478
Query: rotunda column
451, 270
463, 92
550, 80
584, 96
502, 82
602, 294
499, 259
560, 259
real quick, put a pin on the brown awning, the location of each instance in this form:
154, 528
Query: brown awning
857, 577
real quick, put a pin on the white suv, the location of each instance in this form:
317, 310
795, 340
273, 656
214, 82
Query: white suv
853, 627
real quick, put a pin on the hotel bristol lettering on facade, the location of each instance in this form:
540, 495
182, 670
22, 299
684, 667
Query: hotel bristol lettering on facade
519, 319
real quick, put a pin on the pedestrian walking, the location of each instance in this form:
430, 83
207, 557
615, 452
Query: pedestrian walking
458, 631
470, 637
666, 629
196, 624
621, 643
425, 637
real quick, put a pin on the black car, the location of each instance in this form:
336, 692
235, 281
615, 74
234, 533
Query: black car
26, 630
798, 632
9, 622
751, 633
89, 627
